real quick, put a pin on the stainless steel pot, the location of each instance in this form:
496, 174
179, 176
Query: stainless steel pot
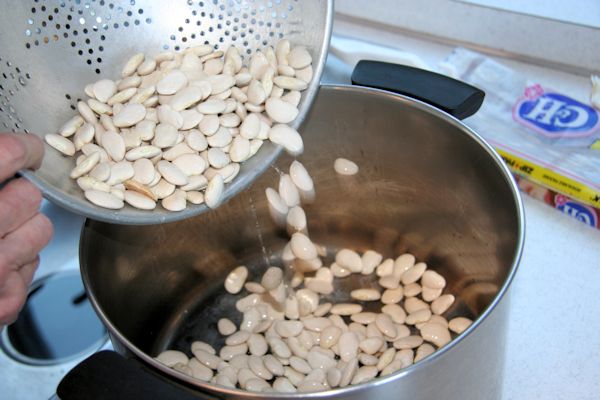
427, 184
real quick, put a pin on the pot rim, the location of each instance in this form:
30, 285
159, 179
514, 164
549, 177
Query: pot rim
214, 389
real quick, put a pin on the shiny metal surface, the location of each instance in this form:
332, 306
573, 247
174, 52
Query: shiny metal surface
49, 50
57, 324
427, 185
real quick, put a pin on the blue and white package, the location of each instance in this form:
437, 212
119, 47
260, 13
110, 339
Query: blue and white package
534, 122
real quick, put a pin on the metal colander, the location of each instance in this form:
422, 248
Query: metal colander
49, 50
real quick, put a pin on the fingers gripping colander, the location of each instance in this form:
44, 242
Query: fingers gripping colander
49, 50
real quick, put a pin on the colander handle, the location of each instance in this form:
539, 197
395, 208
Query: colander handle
455, 97
108, 375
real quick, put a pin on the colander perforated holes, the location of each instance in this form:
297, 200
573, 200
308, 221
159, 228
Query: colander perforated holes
12, 80
93, 34
257, 21
82, 22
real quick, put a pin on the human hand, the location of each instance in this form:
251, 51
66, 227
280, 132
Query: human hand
24, 231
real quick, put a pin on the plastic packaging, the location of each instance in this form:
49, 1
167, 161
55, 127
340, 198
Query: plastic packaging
545, 137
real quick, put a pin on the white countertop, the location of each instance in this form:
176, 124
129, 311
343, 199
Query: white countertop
540, 31
553, 347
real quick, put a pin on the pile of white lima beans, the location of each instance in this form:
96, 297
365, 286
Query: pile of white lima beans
175, 127
291, 339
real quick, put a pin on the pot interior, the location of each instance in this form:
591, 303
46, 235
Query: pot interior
425, 186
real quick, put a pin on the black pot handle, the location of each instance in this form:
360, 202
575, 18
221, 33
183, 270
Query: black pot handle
108, 375
457, 98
